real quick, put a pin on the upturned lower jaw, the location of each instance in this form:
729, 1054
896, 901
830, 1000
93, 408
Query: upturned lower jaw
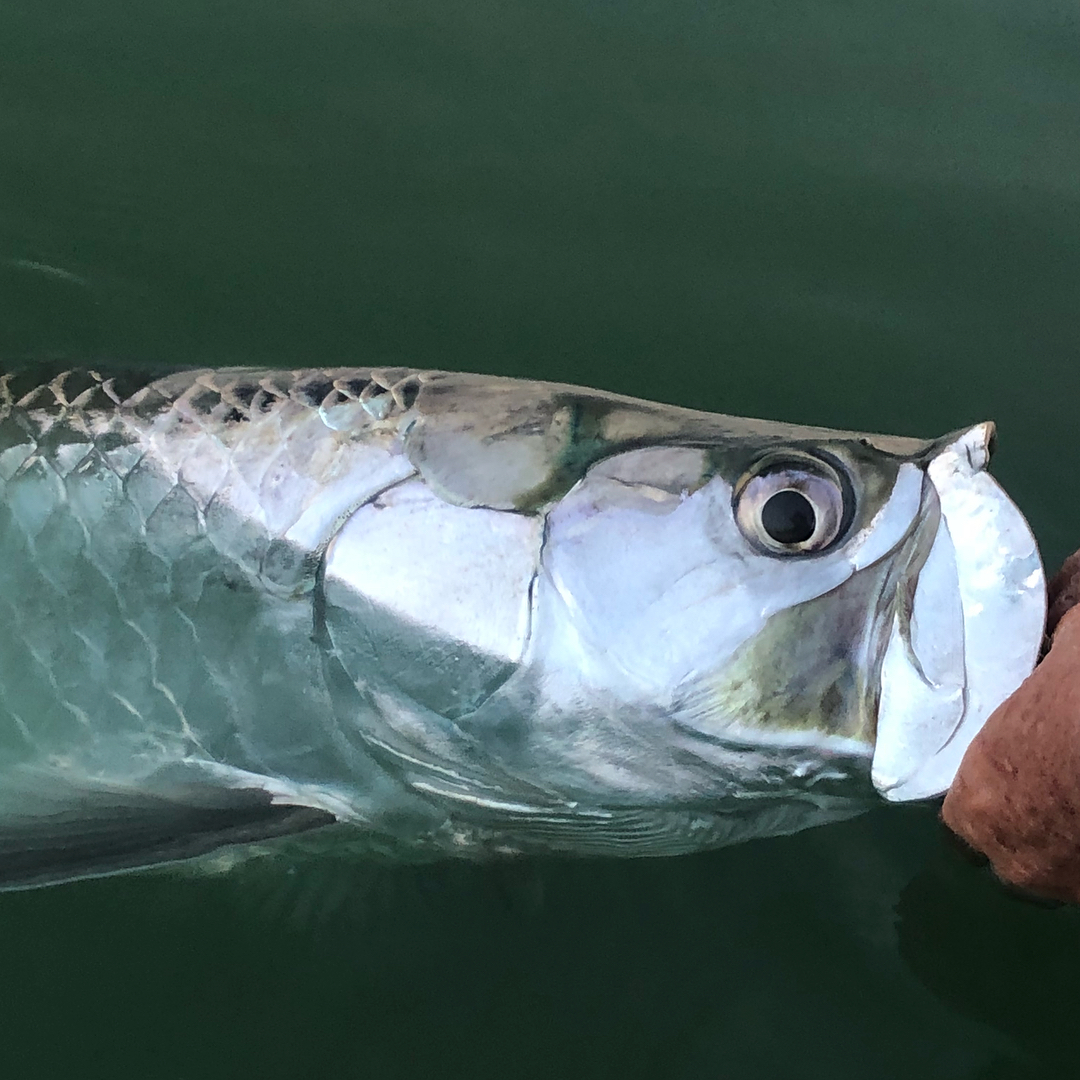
973, 626
922, 674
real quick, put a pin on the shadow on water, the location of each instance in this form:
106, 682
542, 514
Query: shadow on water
770, 960
995, 956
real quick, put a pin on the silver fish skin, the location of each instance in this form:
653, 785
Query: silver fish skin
428, 613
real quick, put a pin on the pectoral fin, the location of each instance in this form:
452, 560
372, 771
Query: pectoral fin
54, 828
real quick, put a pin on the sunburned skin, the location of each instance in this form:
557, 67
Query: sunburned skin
439, 614
1015, 795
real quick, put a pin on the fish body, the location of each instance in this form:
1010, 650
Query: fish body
456, 614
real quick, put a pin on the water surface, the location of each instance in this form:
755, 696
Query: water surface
831, 212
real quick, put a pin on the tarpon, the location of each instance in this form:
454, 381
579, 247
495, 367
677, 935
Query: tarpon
423, 613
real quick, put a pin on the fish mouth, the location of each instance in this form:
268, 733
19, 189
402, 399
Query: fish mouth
967, 625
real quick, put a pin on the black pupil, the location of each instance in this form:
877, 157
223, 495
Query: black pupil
788, 517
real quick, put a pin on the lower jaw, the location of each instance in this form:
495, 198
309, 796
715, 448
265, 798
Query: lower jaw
976, 629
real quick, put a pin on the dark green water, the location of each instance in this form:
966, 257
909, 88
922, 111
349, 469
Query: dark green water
864, 215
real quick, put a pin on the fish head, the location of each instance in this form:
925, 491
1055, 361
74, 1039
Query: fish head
805, 597
631, 603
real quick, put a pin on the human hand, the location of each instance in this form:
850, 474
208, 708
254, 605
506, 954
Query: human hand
1016, 796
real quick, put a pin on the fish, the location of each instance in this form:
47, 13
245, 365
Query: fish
408, 614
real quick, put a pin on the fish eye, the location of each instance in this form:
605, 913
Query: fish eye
792, 506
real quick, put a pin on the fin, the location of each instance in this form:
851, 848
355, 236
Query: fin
54, 830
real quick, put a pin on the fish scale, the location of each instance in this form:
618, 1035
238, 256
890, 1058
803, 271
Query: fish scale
111, 517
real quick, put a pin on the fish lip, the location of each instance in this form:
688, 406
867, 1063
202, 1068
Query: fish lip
1000, 586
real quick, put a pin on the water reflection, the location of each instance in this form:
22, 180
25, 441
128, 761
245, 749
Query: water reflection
48, 310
